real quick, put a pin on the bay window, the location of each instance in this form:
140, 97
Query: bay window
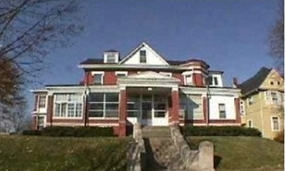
68, 105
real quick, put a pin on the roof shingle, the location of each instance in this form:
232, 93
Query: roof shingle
255, 81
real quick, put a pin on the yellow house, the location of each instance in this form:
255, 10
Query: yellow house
262, 102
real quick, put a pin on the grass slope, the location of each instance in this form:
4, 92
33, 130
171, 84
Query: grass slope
244, 153
26, 153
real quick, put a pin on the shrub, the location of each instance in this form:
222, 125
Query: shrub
220, 131
280, 137
58, 131
32, 132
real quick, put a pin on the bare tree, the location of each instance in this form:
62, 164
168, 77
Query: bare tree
14, 117
276, 39
29, 30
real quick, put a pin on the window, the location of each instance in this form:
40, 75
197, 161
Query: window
275, 123
271, 82
215, 80
42, 101
98, 78
191, 106
159, 106
278, 82
121, 74
188, 79
241, 108
274, 98
133, 105
249, 124
111, 58
68, 105
41, 122
210, 80
104, 105
142, 56
222, 110
250, 100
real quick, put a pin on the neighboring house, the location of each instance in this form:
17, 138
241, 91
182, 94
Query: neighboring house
142, 87
262, 102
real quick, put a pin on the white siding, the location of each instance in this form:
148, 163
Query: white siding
215, 100
152, 58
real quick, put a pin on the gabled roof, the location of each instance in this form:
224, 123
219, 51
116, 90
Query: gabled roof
254, 82
143, 44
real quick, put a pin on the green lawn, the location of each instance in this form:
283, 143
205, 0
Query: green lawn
244, 153
27, 153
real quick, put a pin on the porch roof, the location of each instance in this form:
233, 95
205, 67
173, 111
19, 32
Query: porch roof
150, 79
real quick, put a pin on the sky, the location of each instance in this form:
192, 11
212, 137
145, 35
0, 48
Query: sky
229, 35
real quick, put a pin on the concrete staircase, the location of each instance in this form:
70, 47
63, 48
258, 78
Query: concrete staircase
156, 132
161, 154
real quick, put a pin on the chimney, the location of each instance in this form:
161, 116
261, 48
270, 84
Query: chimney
235, 82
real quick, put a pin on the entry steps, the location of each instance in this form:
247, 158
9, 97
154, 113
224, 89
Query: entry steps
156, 131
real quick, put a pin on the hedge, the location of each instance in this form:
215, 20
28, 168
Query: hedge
219, 131
60, 131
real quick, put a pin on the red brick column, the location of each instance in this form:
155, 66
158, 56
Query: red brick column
175, 107
122, 113
205, 110
237, 106
49, 110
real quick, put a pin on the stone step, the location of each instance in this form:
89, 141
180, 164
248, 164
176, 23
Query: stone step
152, 132
162, 155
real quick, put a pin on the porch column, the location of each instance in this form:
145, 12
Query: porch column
49, 110
122, 113
175, 106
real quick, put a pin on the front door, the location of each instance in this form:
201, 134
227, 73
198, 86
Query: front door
146, 111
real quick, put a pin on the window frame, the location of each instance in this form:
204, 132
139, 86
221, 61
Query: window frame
272, 123
143, 59
251, 123
104, 103
185, 79
102, 77
39, 101
225, 111
110, 55
67, 102
121, 73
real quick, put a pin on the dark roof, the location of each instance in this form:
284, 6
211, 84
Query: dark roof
216, 71
254, 82
172, 62
111, 50
92, 61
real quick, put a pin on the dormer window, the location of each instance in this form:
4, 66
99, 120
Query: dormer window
111, 57
142, 56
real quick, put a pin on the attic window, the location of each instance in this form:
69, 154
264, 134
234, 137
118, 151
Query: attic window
111, 58
142, 56
271, 83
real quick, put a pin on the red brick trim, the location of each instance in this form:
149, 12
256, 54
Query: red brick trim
110, 78
175, 107
122, 113
49, 110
